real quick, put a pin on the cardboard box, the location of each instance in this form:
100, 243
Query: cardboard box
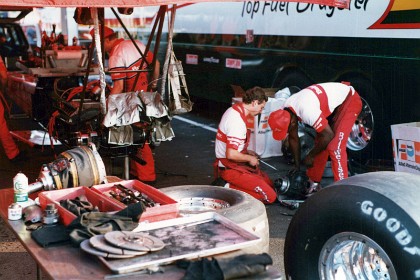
166, 208
103, 203
262, 141
406, 147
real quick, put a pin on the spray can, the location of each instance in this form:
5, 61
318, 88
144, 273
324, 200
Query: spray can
21, 188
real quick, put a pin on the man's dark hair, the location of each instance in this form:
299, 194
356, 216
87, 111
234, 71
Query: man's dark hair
294, 89
255, 93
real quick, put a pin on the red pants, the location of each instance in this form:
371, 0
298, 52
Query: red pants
144, 172
6, 139
341, 124
256, 183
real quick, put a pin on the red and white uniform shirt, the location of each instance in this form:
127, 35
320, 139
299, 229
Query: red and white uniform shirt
314, 104
232, 132
125, 56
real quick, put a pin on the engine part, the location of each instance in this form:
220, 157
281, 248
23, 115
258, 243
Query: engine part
295, 185
32, 214
81, 166
292, 204
128, 196
50, 214
141, 135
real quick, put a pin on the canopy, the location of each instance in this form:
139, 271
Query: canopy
141, 3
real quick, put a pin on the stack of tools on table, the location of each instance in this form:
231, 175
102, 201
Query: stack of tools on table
129, 196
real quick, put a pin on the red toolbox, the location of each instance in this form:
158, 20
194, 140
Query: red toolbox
103, 203
165, 208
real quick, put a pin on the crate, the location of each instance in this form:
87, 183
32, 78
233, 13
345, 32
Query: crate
406, 147
103, 203
167, 208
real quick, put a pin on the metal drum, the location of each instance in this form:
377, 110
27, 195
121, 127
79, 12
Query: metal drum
81, 166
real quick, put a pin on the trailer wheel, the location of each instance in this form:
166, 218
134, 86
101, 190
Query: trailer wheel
290, 76
363, 143
363, 227
240, 207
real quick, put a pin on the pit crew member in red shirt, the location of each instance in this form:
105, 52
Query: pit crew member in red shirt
123, 55
234, 162
6, 139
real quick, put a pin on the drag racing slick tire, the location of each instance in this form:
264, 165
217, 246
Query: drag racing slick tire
239, 207
363, 227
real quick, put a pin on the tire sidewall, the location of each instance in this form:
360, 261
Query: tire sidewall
340, 209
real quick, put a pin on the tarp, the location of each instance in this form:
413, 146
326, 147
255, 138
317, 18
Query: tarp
140, 3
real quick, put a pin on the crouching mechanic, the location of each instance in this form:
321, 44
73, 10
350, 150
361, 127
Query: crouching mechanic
234, 163
312, 106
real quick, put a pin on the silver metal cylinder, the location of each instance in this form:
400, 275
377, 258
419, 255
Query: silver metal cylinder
83, 60
34, 187
51, 61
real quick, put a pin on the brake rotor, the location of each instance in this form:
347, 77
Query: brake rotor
85, 246
134, 241
98, 242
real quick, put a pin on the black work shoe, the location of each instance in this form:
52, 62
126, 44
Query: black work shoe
19, 158
219, 182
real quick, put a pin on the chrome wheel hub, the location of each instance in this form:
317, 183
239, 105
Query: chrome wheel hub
362, 129
349, 255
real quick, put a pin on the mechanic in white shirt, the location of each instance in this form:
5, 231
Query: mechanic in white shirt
124, 56
312, 106
234, 162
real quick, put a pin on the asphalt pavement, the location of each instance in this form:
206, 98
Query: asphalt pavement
186, 160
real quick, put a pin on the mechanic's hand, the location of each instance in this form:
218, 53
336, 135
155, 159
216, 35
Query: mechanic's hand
253, 161
308, 161
253, 153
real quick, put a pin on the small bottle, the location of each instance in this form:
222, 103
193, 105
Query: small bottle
14, 212
53, 36
75, 41
53, 39
21, 188
45, 40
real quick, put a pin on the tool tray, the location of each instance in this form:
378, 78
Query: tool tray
166, 207
103, 203
191, 237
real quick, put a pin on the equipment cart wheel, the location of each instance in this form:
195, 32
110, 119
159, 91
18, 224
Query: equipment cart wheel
240, 207
363, 227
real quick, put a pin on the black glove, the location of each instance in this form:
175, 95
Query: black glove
244, 265
203, 269
223, 269
93, 223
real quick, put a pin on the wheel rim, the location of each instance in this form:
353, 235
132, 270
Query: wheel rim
351, 255
192, 205
362, 129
